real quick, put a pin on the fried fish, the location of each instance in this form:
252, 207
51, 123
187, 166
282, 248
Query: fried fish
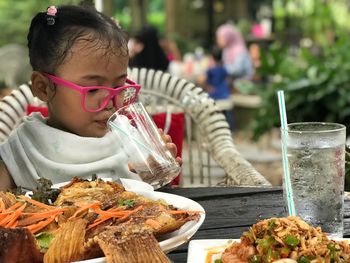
92, 219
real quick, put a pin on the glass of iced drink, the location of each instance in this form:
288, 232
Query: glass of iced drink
143, 144
316, 158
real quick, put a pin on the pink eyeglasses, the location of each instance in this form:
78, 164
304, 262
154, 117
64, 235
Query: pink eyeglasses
95, 98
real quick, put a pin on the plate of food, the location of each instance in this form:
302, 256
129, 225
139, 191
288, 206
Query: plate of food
280, 240
129, 184
95, 222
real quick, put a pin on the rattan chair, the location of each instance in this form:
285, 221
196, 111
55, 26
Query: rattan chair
13, 108
204, 122
206, 126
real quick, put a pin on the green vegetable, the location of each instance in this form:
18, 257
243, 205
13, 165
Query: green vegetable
306, 259
333, 251
128, 202
265, 244
218, 261
271, 255
271, 224
44, 193
255, 259
44, 239
291, 241
303, 259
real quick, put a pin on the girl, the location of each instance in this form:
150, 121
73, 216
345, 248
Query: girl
79, 59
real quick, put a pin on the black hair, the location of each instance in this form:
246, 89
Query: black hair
216, 53
49, 43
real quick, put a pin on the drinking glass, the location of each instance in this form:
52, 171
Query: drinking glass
140, 138
316, 158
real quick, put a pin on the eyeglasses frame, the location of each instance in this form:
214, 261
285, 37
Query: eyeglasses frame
84, 90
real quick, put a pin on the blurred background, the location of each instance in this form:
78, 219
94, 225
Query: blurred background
300, 46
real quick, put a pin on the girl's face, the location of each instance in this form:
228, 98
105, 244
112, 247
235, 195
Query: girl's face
85, 65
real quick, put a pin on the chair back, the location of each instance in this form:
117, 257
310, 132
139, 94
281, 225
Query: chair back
204, 122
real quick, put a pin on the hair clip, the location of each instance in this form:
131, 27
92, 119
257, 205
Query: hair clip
116, 22
50, 15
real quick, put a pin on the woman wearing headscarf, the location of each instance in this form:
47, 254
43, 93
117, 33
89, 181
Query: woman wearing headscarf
146, 52
235, 55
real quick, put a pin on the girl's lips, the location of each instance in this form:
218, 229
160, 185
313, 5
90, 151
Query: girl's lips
102, 123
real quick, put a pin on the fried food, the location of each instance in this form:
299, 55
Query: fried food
18, 246
281, 238
81, 192
118, 249
67, 246
92, 219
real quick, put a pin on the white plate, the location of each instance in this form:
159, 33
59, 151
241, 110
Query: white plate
198, 249
172, 240
129, 184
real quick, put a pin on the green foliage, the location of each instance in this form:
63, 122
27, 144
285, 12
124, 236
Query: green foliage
157, 19
15, 17
155, 14
124, 20
316, 79
312, 19
184, 44
316, 87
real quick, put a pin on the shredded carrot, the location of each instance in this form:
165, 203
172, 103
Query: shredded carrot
111, 213
9, 211
13, 207
11, 218
105, 215
36, 203
36, 227
119, 208
131, 212
35, 217
2, 205
14, 224
18, 212
5, 220
5, 214
83, 208
11, 223
97, 222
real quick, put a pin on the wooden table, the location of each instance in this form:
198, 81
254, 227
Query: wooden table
232, 210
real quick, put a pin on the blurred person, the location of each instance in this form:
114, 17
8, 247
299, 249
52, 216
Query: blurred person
217, 85
171, 49
216, 77
235, 55
146, 52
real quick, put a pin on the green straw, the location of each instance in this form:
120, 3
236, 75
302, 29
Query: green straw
284, 133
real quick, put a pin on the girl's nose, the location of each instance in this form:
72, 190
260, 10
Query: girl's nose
110, 105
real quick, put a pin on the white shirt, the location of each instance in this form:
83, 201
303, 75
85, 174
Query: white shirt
36, 150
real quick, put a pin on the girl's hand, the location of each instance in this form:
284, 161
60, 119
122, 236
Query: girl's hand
170, 145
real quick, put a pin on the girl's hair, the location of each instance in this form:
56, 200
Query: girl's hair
51, 37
